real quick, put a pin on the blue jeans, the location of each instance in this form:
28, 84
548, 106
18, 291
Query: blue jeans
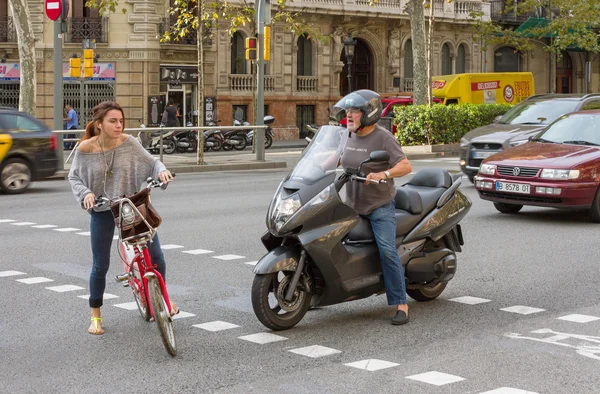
383, 223
102, 228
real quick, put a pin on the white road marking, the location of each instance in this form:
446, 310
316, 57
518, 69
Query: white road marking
107, 296
579, 318
170, 246
115, 237
45, 226
215, 326
469, 300
228, 257
86, 233
183, 315
252, 263
67, 229
262, 338
372, 364
32, 281
65, 288
508, 390
23, 223
315, 351
522, 310
197, 251
587, 345
7, 220
4, 274
129, 306
436, 378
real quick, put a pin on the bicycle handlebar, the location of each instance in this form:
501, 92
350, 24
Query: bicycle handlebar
151, 184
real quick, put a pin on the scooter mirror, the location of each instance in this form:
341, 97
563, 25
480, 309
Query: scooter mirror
379, 155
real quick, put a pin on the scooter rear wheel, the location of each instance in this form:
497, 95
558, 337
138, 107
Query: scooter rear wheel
426, 293
267, 301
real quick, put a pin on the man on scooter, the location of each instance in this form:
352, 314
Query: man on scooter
371, 199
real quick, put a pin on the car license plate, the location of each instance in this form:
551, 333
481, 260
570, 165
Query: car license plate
482, 155
522, 188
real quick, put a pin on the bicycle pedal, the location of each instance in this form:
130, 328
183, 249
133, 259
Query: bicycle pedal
125, 284
121, 278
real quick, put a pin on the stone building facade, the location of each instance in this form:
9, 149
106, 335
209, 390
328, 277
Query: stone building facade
302, 80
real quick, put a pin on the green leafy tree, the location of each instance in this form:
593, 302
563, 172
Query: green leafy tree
553, 24
200, 15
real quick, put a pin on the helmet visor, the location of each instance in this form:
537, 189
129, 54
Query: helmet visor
352, 100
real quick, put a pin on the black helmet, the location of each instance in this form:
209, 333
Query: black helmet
367, 101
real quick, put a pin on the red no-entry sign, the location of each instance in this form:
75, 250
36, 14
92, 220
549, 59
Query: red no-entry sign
53, 9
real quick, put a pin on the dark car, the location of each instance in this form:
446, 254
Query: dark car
559, 168
522, 121
27, 151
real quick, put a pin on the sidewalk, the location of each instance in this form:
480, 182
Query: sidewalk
245, 160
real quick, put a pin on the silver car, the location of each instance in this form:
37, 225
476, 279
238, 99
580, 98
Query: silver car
521, 122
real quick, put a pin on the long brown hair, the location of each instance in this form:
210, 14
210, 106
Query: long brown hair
100, 112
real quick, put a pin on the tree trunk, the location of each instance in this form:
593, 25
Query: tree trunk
200, 93
416, 12
26, 43
429, 53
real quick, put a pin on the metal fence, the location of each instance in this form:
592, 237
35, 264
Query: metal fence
94, 92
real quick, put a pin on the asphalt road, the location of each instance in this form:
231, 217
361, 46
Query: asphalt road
470, 340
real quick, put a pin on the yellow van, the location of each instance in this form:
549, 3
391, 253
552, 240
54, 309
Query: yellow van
483, 88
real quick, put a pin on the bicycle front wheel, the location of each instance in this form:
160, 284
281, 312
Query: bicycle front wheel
160, 311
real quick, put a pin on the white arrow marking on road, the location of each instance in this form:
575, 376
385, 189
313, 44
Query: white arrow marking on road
592, 350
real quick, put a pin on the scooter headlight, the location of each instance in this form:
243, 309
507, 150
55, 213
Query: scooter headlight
284, 209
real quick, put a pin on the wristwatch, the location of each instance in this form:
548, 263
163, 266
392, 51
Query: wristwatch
387, 174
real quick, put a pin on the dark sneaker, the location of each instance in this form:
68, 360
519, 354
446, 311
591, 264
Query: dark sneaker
400, 318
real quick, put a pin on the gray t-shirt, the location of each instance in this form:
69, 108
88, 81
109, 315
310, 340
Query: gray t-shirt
360, 196
131, 165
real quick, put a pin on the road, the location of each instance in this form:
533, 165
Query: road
522, 313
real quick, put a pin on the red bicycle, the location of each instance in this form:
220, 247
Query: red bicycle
147, 284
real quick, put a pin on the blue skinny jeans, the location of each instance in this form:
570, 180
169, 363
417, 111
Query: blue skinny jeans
383, 223
102, 228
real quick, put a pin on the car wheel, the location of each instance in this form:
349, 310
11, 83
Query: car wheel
15, 176
595, 210
507, 208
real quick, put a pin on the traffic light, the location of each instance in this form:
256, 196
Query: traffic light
251, 45
267, 43
75, 67
88, 63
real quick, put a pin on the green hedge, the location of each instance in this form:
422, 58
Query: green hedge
442, 124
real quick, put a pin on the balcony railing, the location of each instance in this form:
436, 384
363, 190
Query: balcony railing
408, 84
247, 82
79, 29
190, 39
498, 13
7, 30
307, 84
463, 9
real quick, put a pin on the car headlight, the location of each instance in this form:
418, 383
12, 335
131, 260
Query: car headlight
517, 143
284, 209
487, 169
464, 142
548, 173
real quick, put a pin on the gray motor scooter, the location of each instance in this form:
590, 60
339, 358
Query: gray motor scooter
321, 252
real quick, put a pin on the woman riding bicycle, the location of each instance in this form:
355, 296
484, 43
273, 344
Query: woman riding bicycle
111, 164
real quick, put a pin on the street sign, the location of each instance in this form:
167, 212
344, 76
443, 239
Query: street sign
53, 9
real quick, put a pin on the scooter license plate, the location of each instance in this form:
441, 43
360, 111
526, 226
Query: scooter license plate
522, 188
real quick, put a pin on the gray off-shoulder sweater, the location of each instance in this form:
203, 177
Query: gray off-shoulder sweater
131, 167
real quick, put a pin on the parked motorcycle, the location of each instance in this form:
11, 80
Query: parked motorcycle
268, 120
186, 141
232, 139
151, 141
321, 252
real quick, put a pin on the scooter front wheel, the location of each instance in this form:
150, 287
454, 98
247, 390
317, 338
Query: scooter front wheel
269, 304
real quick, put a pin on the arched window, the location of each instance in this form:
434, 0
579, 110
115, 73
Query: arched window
238, 57
507, 59
461, 60
408, 59
446, 60
304, 60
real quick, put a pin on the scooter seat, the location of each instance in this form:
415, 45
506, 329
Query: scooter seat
418, 199
362, 233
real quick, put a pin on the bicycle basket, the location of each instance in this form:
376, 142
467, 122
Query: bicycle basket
137, 219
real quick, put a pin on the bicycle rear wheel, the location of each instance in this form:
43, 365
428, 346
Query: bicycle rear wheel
162, 317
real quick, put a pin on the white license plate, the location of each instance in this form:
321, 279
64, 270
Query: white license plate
482, 155
522, 188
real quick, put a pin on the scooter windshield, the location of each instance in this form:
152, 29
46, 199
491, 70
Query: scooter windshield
321, 156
